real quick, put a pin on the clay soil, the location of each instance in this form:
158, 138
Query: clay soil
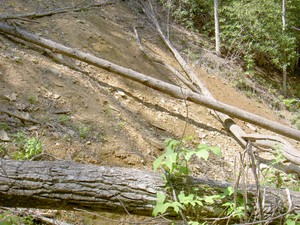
89, 115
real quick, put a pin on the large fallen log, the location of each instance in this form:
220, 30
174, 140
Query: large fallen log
68, 185
164, 87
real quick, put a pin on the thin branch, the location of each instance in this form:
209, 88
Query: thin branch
56, 11
296, 28
259, 204
122, 221
20, 117
290, 209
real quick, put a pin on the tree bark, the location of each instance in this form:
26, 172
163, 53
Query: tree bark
217, 28
68, 185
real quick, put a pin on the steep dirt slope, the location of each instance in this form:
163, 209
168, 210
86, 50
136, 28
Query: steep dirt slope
92, 116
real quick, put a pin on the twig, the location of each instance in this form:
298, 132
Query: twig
122, 222
96, 214
274, 142
36, 215
290, 209
296, 28
254, 171
21, 118
50, 13
176, 199
159, 60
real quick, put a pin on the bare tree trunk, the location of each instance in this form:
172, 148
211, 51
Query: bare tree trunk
284, 72
217, 28
164, 87
283, 15
68, 185
284, 69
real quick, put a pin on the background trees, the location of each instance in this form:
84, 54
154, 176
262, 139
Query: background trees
251, 31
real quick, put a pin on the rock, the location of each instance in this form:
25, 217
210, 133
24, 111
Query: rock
56, 96
4, 136
121, 93
12, 97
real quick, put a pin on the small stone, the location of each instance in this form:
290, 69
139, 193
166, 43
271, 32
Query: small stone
56, 96
121, 93
12, 97
4, 136
71, 133
32, 128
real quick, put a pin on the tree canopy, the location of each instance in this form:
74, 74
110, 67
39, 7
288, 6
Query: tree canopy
250, 30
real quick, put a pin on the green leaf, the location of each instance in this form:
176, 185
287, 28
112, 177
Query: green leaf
203, 154
216, 150
198, 202
202, 146
177, 206
170, 160
160, 197
227, 192
158, 162
189, 199
160, 208
171, 143
189, 155
193, 223
290, 222
183, 170
211, 199
5, 223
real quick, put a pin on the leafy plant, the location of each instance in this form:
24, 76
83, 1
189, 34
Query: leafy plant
64, 119
83, 131
4, 126
32, 99
20, 139
292, 219
3, 150
291, 103
8, 218
175, 162
27, 147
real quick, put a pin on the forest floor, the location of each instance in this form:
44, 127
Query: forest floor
89, 115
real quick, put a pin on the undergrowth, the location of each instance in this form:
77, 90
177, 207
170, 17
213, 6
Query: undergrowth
231, 204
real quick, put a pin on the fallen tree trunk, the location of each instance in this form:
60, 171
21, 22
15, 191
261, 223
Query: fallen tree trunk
164, 87
68, 185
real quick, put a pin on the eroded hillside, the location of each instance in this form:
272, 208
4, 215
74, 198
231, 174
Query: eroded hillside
90, 115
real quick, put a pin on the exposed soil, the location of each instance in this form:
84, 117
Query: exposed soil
90, 115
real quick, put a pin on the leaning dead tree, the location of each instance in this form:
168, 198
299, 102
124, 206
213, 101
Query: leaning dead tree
195, 84
173, 90
156, 84
69, 185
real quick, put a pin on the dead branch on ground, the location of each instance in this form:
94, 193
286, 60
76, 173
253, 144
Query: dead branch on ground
53, 12
22, 118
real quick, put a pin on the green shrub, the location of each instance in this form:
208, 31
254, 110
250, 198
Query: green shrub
27, 147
